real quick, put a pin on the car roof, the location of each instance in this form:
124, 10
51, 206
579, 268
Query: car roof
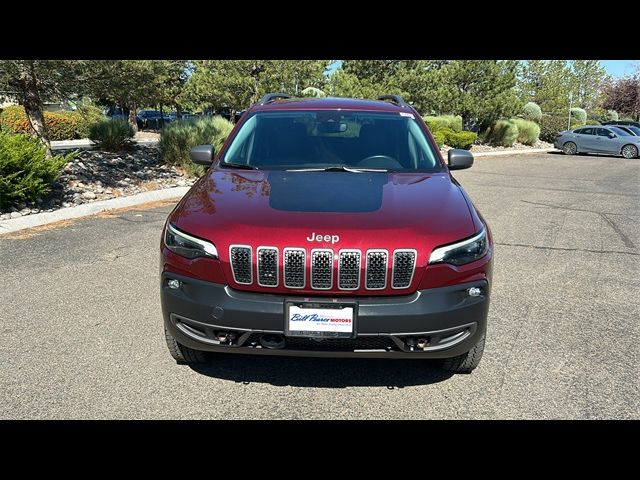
331, 104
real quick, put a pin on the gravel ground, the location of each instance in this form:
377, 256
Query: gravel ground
516, 146
82, 328
95, 175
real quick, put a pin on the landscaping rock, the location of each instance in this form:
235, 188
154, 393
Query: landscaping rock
15, 214
89, 195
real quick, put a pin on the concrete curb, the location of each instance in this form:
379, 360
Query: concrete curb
85, 143
511, 152
38, 219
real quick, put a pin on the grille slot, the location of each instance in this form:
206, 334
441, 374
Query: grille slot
240, 258
267, 266
349, 269
376, 269
321, 269
294, 267
404, 264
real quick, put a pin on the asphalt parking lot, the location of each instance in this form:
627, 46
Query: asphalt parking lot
82, 330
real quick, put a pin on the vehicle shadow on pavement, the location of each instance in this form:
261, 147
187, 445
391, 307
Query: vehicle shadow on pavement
322, 372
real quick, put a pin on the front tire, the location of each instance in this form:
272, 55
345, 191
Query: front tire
569, 148
182, 354
629, 151
466, 362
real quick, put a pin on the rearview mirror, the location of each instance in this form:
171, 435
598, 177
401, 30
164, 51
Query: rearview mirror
202, 154
332, 127
460, 159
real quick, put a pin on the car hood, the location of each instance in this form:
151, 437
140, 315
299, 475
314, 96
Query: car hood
365, 210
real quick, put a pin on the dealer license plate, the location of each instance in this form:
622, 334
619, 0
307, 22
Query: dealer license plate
312, 319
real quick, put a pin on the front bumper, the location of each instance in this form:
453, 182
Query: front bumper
447, 320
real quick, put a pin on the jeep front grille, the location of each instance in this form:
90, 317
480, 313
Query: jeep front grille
376, 270
349, 269
267, 266
294, 267
404, 263
240, 256
322, 268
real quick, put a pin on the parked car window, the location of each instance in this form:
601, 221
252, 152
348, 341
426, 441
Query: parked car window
587, 131
619, 131
635, 130
580, 130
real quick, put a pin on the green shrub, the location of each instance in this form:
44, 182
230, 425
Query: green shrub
611, 116
439, 137
88, 115
503, 133
528, 131
178, 138
551, 125
531, 111
111, 135
462, 139
444, 121
60, 125
580, 115
25, 172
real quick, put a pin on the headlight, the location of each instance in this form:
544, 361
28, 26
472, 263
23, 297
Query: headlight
185, 245
462, 252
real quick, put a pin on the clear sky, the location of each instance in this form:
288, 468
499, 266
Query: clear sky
615, 68
620, 68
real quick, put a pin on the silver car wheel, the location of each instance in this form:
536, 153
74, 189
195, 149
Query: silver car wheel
629, 151
569, 148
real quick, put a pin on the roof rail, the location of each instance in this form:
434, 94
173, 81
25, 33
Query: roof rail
397, 99
270, 97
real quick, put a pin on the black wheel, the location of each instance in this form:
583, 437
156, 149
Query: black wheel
181, 353
570, 148
466, 362
629, 151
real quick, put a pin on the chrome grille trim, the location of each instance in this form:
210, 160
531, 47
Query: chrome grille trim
239, 276
367, 281
343, 256
316, 255
287, 254
272, 272
399, 285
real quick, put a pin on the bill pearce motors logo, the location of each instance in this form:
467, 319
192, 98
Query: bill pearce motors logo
318, 237
314, 317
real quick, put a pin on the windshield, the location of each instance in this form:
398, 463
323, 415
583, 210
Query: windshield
635, 130
327, 139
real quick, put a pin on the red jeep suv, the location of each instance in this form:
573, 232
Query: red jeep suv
328, 227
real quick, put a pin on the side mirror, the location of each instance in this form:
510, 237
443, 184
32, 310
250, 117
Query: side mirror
202, 154
612, 135
460, 159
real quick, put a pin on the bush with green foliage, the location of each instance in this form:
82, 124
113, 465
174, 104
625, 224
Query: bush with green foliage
60, 125
178, 138
88, 115
528, 131
454, 122
111, 135
462, 139
611, 116
580, 115
551, 125
25, 172
502, 133
439, 137
531, 111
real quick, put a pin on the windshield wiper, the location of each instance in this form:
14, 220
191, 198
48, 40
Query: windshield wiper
337, 168
243, 166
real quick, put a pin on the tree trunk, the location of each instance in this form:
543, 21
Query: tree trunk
232, 116
178, 112
33, 105
132, 117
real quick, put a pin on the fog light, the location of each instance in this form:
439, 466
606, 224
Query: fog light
174, 284
474, 292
